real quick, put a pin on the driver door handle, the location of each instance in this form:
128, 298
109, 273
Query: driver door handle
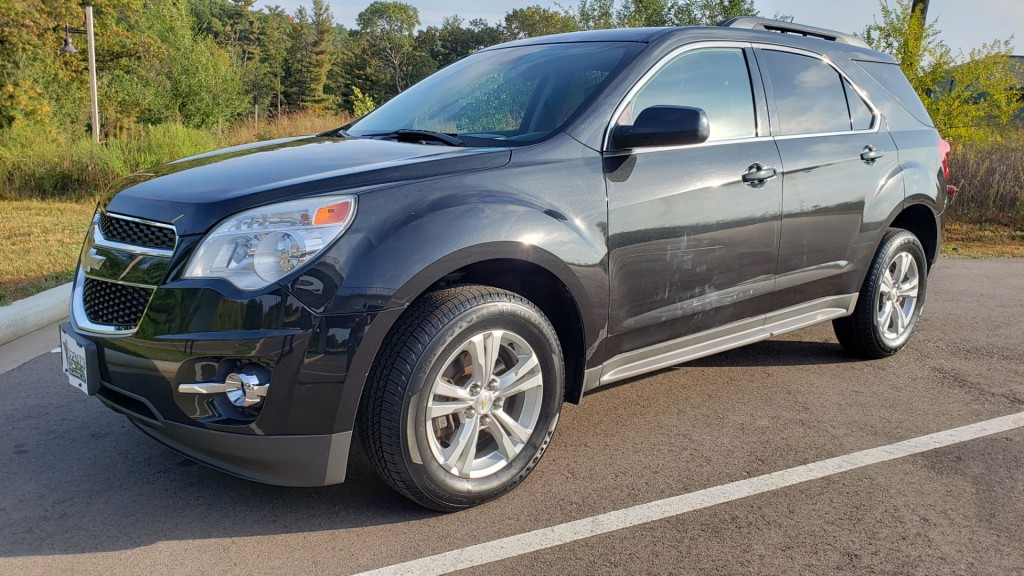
757, 174
870, 154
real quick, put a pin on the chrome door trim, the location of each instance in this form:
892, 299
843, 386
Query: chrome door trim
876, 115
647, 76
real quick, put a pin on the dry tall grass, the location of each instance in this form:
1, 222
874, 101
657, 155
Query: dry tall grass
991, 181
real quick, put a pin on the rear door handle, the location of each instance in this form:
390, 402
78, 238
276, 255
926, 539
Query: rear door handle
870, 154
757, 174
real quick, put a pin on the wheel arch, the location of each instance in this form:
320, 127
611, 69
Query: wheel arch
528, 270
531, 272
923, 223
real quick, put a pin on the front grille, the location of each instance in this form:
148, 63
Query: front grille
115, 305
137, 233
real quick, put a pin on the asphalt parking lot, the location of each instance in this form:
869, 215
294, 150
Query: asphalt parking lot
83, 492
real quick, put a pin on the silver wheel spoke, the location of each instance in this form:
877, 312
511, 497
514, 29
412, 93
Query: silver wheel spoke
519, 379
901, 267
510, 425
445, 388
437, 408
908, 288
901, 320
506, 447
887, 283
483, 349
520, 385
460, 455
885, 315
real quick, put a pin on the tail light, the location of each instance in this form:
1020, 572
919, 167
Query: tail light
944, 150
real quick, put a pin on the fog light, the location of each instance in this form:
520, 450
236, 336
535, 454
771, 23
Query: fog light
243, 389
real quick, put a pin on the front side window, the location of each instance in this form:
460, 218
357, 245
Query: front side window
713, 79
809, 94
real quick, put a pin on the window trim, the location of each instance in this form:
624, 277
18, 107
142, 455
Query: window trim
762, 131
773, 111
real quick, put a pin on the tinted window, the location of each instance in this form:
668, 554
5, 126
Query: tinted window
861, 117
892, 79
809, 94
715, 80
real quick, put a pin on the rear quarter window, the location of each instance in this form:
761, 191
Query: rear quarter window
891, 77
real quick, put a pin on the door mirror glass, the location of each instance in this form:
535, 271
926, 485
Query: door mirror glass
664, 126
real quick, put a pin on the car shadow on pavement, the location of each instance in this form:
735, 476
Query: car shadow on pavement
77, 478
778, 353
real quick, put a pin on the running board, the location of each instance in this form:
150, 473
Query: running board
735, 335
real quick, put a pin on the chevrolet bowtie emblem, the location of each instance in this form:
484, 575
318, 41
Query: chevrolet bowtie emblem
92, 261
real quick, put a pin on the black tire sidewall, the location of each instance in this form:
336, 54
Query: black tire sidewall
902, 241
429, 476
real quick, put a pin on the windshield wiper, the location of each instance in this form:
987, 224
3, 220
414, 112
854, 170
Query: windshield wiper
410, 135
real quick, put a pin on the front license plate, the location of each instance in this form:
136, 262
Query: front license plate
76, 362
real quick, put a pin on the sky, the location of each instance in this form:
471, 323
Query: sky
964, 24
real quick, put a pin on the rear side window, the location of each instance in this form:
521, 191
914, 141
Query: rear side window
892, 79
809, 94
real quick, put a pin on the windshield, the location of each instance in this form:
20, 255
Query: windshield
504, 97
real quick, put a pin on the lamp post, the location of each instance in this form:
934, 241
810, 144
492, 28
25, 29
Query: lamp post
70, 48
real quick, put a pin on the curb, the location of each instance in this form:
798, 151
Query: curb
27, 315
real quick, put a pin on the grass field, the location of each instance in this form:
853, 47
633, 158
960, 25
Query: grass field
41, 241
982, 241
45, 238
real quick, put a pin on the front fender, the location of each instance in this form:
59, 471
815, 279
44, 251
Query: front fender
386, 265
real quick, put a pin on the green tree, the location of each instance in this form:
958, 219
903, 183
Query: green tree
389, 29
597, 14
964, 94
535, 21
274, 30
710, 12
361, 103
640, 13
313, 54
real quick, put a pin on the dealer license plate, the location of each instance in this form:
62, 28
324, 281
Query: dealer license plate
75, 362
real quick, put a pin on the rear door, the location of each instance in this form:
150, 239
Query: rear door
835, 159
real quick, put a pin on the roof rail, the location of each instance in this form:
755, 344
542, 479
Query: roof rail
754, 23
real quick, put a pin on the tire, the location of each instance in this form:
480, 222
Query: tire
884, 319
435, 426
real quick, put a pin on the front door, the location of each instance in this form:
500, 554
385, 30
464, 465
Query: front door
691, 245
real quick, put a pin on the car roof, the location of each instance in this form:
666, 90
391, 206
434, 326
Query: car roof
698, 33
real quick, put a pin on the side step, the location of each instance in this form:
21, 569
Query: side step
735, 335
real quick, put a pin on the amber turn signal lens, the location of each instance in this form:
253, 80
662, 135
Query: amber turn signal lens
333, 213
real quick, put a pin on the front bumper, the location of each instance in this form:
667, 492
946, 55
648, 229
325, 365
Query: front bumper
301, 434
300, 460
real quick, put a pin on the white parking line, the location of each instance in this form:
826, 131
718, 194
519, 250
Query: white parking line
520, 544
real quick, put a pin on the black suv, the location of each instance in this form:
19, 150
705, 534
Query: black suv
534, 221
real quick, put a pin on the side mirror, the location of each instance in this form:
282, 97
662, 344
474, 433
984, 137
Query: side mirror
664, 126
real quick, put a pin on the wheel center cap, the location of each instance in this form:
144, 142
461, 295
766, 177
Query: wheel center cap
484, 402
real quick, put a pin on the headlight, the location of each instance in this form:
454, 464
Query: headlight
258, 247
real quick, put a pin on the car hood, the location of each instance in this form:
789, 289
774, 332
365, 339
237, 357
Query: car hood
197, 192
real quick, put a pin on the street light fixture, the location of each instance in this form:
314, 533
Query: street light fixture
69, 48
